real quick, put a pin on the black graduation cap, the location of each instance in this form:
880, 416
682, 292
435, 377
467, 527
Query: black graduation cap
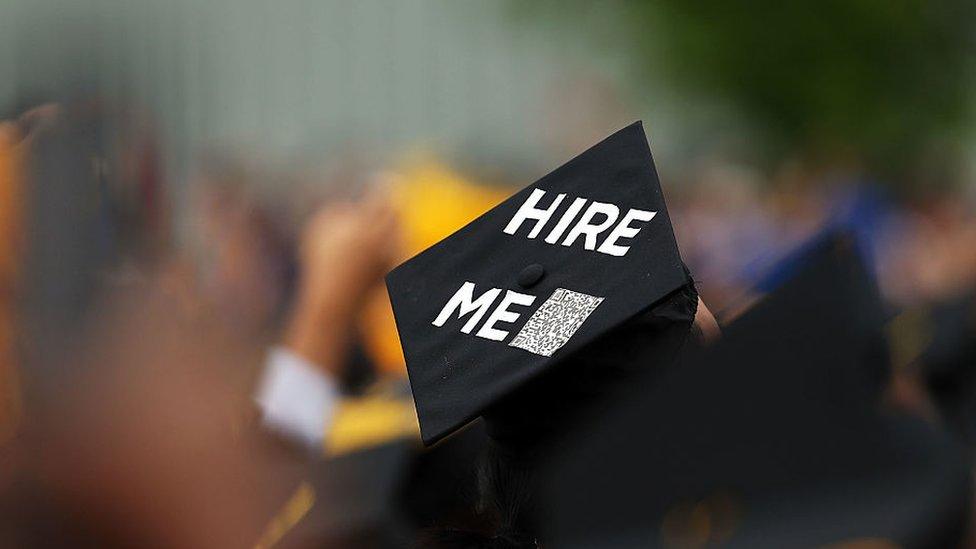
830, 277
763, 440
525, 286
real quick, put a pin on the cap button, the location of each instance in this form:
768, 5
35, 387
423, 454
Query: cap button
531, 275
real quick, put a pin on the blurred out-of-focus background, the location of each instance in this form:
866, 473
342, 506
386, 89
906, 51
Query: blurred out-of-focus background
196, 192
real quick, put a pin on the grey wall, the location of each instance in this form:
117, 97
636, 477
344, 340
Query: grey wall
294, 76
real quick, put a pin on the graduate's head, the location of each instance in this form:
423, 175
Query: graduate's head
538, 312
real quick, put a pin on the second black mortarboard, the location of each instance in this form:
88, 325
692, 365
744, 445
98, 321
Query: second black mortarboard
770, 438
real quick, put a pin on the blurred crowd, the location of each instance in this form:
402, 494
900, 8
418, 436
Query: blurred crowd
224, 370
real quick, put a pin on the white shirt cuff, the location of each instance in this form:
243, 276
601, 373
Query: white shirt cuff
296, 398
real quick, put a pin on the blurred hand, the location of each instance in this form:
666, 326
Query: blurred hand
346, 249
19, 132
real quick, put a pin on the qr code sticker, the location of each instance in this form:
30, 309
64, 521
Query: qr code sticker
555, 321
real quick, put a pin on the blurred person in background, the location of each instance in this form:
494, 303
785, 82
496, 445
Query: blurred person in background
129, 437
345, 250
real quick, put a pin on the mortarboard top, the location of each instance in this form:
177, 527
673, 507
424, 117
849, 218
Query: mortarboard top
831, 276
521, 288
760, 441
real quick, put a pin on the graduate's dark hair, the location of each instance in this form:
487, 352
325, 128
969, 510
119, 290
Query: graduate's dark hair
500, 519
529, 425
448, 538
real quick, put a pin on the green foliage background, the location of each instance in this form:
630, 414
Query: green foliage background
884, 84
